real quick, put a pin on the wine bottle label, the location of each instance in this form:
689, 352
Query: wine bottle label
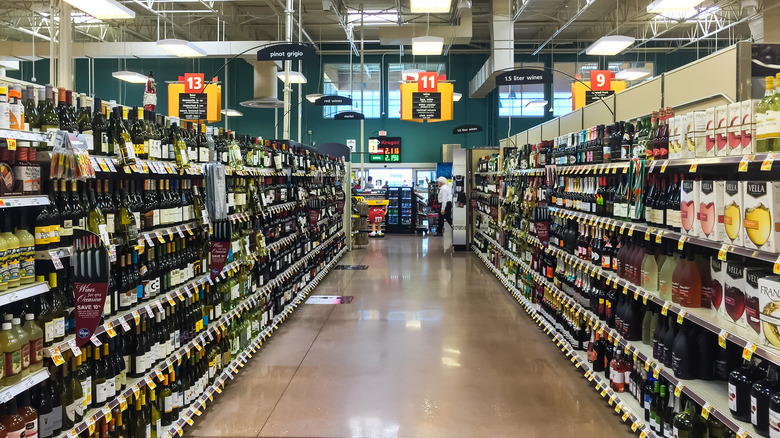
733, 398
110, 388
126, 299
100, 393
774, 424
179, 400
46, 423
753, 410
159, 428
111, 222
148, 431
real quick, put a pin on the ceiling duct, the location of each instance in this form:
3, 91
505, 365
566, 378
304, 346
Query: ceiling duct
502, 51
453, 34
265, 81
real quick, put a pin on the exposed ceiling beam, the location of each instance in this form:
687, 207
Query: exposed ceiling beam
565, 25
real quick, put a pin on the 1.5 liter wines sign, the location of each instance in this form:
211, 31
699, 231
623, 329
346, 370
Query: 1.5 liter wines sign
90, 283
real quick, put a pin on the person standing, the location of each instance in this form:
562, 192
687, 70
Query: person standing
370, 183
445, 200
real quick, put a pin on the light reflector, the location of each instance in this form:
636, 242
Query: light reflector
232, 113
181, 48
130, 76
456, 97
661, 6
610, 45
430, 6
427, 46
103, 9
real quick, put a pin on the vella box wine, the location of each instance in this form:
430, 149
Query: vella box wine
761, 206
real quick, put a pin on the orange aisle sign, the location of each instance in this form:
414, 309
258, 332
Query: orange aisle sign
600, 86
417, 106
192, 99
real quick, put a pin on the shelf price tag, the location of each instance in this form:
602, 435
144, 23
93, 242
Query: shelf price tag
631, 231
649, 233
645, 294
678, 389
681, 316
722, 338
723, 252
665, 308
693, 167
743, 164
776, 268
742, 433
57, 357
637, 424
705, 410
748, 351
767, 164
656, 372
663, 166
681, 243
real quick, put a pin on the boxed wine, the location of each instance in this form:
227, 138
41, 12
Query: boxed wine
761, 204
733, 308
687, 146
732, 213
674, 139
734, 129
752, 301
704, 125
769, 303
689, 204
721, 134
710, 211
748, 111
717, 279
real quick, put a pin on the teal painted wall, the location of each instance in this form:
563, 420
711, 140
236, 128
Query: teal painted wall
421, 142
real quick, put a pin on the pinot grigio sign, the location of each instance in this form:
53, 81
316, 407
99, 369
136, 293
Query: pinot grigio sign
524, 76
286, 52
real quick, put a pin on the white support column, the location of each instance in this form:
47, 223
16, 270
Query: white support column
64, 53
287, 68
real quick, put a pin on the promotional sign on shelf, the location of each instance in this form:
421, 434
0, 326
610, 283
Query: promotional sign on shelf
90, 283
219, 256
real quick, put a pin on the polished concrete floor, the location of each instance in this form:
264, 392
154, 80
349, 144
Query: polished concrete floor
431, 346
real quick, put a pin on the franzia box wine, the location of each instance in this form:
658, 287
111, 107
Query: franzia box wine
752, 301
769, 305
689, 204
761, 202
710, 211
732, 213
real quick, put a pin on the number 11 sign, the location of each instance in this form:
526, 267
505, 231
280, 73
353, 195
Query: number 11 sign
427, 82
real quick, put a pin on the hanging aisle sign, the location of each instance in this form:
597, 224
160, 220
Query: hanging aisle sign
333, 100
465, 129
286, 52
190, 98
524, 76
429, 99
349, 115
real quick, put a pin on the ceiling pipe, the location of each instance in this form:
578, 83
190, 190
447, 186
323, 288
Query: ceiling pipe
565, 25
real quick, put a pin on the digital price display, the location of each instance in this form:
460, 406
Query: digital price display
384, 149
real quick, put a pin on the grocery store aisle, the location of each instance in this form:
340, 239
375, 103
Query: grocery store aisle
431, 346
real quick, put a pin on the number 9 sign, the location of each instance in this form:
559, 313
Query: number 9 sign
600, 80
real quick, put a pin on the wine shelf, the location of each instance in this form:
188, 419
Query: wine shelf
711, 395
23, 292
185, 417
95, 414
23, 201
13, 134
26, 383
124, 318
158, 234
623, 403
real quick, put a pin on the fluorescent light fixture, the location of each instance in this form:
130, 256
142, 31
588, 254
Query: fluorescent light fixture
103, 9
33, 33
313, 97
633, 74
430, 6
387, 17
661, 6
456, 97
181, 48
610, 45
295, 77
232, 113
427, 46
130, 76
536, 104
9, 65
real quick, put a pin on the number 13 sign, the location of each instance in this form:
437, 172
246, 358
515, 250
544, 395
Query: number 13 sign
193, 82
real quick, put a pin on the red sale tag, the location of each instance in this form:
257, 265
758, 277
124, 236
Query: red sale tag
427, 82
600, 80
193, 83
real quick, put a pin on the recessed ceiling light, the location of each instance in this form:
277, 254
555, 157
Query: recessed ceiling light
427, 46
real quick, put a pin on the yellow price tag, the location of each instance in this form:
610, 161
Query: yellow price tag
681, 315
678, 389
723, 252
659, 236
776, 268
705, 410
681, 243
625, 416
11, 144
742, 433
665, 308
722, 338
693, 167
656, 372
663, 166
648, 233
748, 351
631, 231
189, 421
767, 164
744, 162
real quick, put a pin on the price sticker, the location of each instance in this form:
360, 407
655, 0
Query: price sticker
136, 317
617, 409
110, 330
636, 425
122, 402
631, 231
656, 372
91, 425
74, 348
635, 355
150, 382
160, 238
623, 228
644, 434
678, 389
179, 430
136, 390
693, 167
125, 325
744, 162
722, 338
742, 433
57, 357
652, 166
681, 243
705, 410
159, 374
170, 300
681, 316
604, 391
665, 308
189, 421
663, 166
95, 341
648, 234
766, 165
107, 413
625, 416
776, 268
723, 251
659, 237
748, 351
